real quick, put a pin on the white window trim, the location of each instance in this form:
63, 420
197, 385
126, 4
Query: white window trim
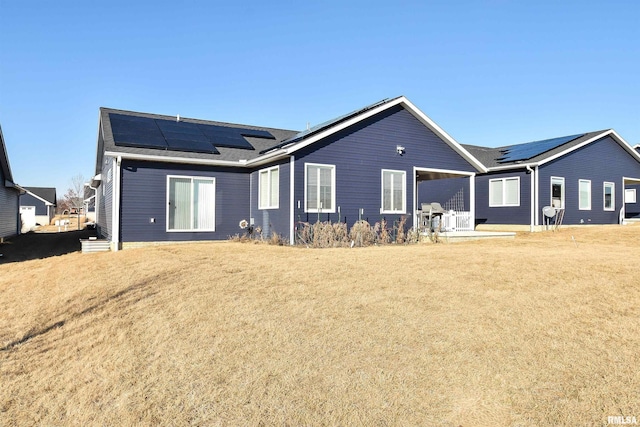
269, 172
613, 196
628, 199
562, 196
333, 189
168, 230
588, 181
404, 192
504, 189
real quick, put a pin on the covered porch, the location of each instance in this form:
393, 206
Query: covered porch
630, 211
444, 199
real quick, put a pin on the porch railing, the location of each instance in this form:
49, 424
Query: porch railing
457, 221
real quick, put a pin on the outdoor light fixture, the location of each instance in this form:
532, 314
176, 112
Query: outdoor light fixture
400, 149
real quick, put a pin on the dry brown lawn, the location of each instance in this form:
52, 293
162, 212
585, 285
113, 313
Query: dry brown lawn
543, 330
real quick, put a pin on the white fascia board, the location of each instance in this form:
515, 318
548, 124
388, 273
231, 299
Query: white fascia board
516, 166
442, 134
444, 171
167, 159
267, 158
626, 145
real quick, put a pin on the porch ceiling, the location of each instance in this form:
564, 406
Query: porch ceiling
430, 175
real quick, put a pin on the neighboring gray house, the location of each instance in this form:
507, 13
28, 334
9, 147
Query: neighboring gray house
589, 178
9, 195
37, 206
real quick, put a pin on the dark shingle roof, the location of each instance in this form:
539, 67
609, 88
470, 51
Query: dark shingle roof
46, 193
491, 157
225, 154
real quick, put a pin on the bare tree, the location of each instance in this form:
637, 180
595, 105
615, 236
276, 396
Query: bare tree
74, 197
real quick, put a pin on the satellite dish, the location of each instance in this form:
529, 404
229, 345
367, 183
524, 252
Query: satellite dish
549, 211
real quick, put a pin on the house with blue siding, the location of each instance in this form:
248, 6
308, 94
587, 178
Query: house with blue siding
165, 178
589, 178
37, 206
9, 195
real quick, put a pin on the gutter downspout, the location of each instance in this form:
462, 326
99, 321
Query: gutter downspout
115, 233
292, 188
95, 202
533, 208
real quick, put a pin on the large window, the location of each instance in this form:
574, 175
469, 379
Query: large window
320, 188
609, 196
268, 193
191, 203
557, 192
504, 192
584, 189
394, 189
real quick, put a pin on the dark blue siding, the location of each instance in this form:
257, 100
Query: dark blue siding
29, 200
273, 220
600, 161
362, 151
519, 215
9, 213
446, 192
144, 196
105, 191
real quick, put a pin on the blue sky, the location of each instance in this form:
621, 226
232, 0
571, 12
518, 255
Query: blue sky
491, 73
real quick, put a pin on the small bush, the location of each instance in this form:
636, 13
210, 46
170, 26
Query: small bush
362, 234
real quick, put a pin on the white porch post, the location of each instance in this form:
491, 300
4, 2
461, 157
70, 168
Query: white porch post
472, 200
536, 196
415, 198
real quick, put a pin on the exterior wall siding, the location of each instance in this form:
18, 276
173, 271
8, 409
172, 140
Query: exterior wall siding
601, 161
518, 215
105, 196
273, 220
450, 193
359, 154
144, 196
9, 211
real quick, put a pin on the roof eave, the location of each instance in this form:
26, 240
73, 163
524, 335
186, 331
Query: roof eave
171, 159
514, 166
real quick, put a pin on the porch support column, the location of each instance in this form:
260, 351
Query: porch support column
536, 207
533, 204
415, 198
472, 200
292, 187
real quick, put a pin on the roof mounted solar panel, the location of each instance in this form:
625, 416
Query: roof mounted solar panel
256, 133
140, 141
147, 132
232, 137
178, 127
134, 131
233, 141
191, 146
529, 150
